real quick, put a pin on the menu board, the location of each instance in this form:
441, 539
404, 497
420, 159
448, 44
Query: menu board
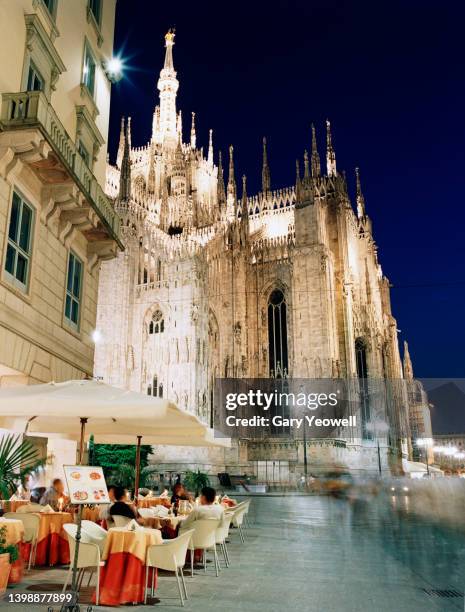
86, 484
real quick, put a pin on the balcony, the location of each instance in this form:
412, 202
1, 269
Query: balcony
61, 163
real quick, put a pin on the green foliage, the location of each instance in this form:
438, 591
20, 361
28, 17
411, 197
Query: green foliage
119, 462
125, 476
195, 481
18, 459
5, 548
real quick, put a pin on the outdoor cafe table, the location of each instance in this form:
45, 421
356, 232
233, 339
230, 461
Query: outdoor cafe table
52, 545
149, 502
14, 535
122, 579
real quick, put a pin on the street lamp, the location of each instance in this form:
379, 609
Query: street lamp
113, 68
376, 428
425, 443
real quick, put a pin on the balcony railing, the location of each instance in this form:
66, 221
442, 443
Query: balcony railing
31, 109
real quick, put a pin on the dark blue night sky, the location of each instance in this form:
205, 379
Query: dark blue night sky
389, 76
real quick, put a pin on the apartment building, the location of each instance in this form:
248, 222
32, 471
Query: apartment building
56, 223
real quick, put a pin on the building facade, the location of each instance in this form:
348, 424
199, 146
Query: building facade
56, 223
216, 283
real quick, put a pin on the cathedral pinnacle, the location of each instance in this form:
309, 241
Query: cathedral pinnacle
231, 179
125, 175
169, 42
330, 154
168, 86
119, 157
179, 126
266, 177
408, 368
210, 148
193, 136
359, 197
220, 187
316, 167
306, 165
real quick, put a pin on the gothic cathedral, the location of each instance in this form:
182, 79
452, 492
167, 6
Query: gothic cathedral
216, 283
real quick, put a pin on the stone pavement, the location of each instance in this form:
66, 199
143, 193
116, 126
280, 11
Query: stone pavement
318, 554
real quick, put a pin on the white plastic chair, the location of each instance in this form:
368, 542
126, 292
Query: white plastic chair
222, 533
204, 538
246, 514
120, 521
169, 556
31, 524
97, 534
31, 507
146, 513
88, 558
238, 518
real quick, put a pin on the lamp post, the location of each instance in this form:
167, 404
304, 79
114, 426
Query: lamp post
377, 427
425, 443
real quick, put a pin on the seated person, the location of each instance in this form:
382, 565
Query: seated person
180, 493
206, 510
54, 494
121, 508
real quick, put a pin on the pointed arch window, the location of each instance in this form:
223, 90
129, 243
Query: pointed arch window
277, 335
362, 374
157, 323
155, 388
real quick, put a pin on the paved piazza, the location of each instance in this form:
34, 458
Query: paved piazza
319, 554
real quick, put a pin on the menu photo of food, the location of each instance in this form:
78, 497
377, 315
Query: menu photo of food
86, 484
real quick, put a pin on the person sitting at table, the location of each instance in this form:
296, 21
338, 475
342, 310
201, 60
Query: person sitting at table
206, 510
180, 493
54, 494
122, 508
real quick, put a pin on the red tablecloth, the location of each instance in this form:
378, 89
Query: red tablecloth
122, 579
53, 547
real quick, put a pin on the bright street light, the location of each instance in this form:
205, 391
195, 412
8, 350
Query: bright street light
114, 69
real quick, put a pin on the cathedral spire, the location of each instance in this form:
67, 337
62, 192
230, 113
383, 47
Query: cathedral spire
220, 185
330, 154
359, 197
316, 167
306, 165
119, 156
128, 133
125, 174
168, 86
266, 177
210, 148
193, 136
245, 210
408, 368
231, 179
169, 42
179, 126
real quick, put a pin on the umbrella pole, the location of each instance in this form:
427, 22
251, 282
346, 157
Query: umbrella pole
136, 484
73, 606
81, 442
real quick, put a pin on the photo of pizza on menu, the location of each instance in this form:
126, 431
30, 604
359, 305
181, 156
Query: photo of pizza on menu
86, 484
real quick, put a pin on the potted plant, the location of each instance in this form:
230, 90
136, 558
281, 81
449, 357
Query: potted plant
8, 555
196, 481
18, 459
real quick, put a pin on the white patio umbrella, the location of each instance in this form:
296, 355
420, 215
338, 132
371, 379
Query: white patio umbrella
109, 413
78, 408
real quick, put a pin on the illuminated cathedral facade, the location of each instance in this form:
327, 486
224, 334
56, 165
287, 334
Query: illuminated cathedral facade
216, 283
